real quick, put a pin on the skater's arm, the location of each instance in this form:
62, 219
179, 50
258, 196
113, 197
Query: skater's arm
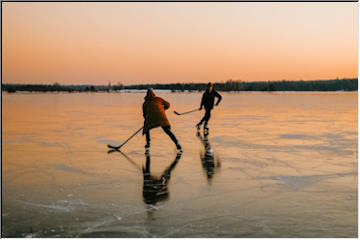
218, 96
165, 104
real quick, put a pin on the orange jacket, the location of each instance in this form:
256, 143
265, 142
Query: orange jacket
154, 112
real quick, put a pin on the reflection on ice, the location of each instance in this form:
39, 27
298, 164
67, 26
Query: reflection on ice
209, 161
156, 188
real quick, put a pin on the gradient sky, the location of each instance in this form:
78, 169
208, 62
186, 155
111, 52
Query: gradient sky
98, 43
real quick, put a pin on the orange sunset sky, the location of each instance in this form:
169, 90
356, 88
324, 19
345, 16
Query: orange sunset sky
98, 43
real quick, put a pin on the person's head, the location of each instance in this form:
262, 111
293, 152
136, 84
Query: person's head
209, 87
150, 93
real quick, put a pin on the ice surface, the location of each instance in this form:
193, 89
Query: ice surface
274, 165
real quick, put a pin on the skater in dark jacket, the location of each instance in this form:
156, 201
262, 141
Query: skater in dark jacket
154, 115
207, 102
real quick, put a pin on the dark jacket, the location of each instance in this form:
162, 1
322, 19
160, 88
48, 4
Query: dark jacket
154, 112
208, 99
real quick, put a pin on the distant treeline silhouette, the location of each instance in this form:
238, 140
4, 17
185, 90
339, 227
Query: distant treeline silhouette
59, 88
230, 85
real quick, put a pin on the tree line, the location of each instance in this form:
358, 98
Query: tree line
56, 87
230, 85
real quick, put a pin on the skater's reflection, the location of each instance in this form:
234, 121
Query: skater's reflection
209, 162
155, 189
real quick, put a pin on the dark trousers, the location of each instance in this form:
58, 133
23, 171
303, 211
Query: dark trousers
167, 131
206, 117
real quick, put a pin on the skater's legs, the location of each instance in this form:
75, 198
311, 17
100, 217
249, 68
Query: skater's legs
171, 135
202, 120
148, 139
205, 118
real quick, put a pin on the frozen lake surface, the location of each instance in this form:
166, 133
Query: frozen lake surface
274, 165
